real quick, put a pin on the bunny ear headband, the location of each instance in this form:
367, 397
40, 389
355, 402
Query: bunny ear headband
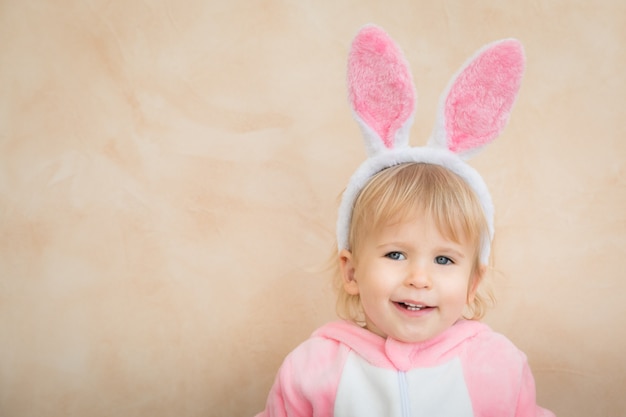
472, 112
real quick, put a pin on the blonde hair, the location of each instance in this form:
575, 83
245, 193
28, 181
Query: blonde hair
399, 192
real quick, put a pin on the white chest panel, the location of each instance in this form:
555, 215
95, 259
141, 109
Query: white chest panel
368, 391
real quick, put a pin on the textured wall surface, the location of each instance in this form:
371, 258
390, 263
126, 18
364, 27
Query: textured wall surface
170, 171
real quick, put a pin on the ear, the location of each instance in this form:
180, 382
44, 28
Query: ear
476, 279
381, 90
347, 267
476, 107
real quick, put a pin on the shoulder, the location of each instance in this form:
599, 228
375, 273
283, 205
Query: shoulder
477, 342
487, 346
318, 356
496, 372
310, 374
317, 351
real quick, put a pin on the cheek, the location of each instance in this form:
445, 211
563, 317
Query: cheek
375, 283
457, 292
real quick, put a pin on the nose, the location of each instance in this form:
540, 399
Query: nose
418, 276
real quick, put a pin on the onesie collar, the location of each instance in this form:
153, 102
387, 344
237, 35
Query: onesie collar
391, 353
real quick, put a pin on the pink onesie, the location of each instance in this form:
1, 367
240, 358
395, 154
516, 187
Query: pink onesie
344, 370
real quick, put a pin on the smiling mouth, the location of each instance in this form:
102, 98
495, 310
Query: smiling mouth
412, 307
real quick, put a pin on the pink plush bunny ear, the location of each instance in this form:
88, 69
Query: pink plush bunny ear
380, 89
479, 100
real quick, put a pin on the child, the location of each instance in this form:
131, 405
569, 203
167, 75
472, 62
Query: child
414, 234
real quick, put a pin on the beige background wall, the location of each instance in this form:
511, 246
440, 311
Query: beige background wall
169, 174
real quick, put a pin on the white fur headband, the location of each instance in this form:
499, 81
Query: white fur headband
472, 112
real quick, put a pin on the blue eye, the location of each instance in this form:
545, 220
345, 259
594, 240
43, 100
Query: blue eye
443, 260
396, 256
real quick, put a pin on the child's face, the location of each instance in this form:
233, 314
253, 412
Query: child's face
412, 281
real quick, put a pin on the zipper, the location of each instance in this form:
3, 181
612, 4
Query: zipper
403, 386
